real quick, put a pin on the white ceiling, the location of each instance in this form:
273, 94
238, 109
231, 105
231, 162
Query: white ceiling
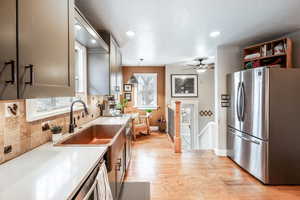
169, 31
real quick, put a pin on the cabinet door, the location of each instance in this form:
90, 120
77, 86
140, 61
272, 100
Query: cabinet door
119, 70
8, 48
113, 68
121, 166
46, 48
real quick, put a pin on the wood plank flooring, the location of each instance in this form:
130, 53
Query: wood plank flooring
196, 175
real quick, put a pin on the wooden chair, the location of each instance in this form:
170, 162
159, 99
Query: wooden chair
140, 125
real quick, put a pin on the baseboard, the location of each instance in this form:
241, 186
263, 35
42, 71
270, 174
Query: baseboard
220, 152
154, 128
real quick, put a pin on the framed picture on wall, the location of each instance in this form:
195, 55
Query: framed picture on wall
128, 96
127, 87
184, 85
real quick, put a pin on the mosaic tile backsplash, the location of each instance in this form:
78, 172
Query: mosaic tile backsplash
24, 136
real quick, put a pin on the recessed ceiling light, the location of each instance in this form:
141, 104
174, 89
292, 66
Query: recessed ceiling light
77, 26
215, 34
93, 41
130, 33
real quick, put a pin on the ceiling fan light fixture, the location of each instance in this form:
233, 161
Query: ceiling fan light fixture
200, 71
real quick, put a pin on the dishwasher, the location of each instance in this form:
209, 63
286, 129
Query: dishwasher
96, 186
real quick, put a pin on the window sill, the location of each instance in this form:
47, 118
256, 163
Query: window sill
30, 117
146, 108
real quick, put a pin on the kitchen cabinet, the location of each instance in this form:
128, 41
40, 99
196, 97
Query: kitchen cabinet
117, 158
46, 48
120, 171
97, 55
37, 47
115, 64
8, 50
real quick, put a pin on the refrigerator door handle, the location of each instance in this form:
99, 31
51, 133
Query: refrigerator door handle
246, 139
238, 106
243, 99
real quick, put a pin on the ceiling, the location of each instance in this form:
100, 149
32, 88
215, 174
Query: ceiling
169, 31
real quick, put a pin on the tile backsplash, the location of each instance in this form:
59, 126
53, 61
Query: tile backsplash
24, 136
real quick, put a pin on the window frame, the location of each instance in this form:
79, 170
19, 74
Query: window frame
32, 115
136, 91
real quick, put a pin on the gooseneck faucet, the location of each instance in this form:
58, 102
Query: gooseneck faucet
72, 121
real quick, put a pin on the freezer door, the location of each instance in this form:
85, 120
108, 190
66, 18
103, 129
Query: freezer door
234, 91
248, 152
253, 102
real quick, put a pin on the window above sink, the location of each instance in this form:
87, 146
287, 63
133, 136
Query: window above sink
41, 108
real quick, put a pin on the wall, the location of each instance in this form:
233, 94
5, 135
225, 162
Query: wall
228, 60
127, 73
25, 136
205, 90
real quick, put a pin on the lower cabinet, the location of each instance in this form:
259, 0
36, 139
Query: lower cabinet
118, 156
120, 171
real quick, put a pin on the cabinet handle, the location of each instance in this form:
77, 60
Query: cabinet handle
30, 82
12, 65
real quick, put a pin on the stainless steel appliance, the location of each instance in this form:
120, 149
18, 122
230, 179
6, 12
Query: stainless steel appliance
96, 186
264, 123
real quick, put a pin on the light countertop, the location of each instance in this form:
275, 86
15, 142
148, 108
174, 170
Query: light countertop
50, 172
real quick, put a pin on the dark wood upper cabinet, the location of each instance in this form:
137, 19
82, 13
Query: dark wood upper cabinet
8, 50
46, 48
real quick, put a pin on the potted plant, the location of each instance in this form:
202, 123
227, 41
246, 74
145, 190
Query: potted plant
122, 105
148, 112
56, 132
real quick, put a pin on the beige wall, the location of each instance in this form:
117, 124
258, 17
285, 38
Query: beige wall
127, 73
205, 90
25, 136
228, 60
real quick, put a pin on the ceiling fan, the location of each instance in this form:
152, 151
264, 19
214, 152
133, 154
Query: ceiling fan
199, 66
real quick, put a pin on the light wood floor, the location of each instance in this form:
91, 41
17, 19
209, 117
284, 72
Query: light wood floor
196, 175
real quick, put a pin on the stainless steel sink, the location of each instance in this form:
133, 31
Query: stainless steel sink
94, 135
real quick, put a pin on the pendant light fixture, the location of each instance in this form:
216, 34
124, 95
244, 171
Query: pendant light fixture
133, 80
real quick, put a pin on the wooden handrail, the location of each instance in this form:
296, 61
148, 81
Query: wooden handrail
177, 137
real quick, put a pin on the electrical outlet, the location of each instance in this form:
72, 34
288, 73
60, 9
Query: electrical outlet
7, 149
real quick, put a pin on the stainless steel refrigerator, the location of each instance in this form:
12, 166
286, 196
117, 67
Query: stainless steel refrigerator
263, 119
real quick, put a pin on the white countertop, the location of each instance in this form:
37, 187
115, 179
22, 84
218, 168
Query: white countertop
49, 172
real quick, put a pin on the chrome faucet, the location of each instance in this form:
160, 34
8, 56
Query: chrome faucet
72, 121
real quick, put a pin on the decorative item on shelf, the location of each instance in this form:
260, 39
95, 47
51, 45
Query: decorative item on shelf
56, 133
127, 87
269, 53
128, 96
252, 56
279, 49
264, 50
184, 85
